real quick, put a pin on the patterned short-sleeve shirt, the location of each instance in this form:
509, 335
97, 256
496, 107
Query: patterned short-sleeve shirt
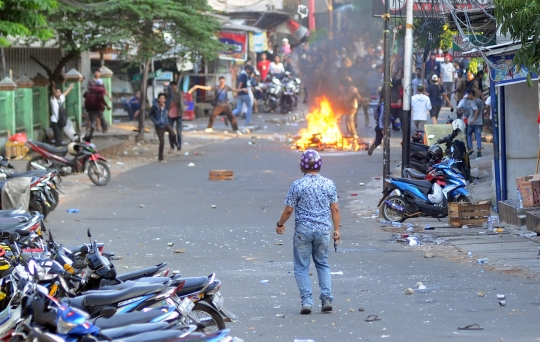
311, 196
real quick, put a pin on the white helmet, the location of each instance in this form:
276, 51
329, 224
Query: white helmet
437, 196
73, 148
459, 124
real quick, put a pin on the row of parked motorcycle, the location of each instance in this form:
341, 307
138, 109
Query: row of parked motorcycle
432, 180
38, 187
280, 93
49, 292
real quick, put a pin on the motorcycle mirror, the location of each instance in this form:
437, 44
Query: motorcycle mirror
88, 233
43, 229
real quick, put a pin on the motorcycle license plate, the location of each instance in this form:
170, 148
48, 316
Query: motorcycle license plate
287, 93
186, 305
218, 300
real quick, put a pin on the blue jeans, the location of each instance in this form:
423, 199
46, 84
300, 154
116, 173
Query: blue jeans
477, 130
240, 99
311, 243
178, 121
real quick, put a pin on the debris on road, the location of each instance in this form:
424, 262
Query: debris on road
502, 303
361, 309
471, 327
170, 244
214, 206
409, 291
191, 164
482, 261
337, 273
481, 294
181, 250
114, 257
264, 281
501, 296
429, 255
73, 211
141, 205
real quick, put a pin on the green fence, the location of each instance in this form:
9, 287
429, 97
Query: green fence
36, 105
19, 110
3, 115
71, 108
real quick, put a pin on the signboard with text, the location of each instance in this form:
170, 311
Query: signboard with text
507, 71
427, 7
237, 43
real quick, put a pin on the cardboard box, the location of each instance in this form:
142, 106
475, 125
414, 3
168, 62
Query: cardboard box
529, 188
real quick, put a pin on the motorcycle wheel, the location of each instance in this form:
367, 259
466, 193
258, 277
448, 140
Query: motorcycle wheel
390, 214
38, 160
55, 197
285, 107
42, 208
211, 320
99, 174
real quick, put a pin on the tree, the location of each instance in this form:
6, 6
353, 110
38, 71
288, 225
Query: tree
24, 18
521, 19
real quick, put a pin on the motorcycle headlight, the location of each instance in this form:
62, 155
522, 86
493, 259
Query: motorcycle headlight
64, 327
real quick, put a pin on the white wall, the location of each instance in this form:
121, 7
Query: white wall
522, 108
245, 5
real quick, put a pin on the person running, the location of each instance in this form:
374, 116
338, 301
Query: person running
159, 114
57, 101
314, 200
95, 104
420, 107
176, 112
350, 98
221, 103
379, 126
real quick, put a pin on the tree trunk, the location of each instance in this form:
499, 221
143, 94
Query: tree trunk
144, 83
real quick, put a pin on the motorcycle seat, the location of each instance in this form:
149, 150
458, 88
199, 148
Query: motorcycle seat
60, 150
33, 173
127, 319
133, 275
420, 183
131, 283
104, 298
414, 173
133, 329
191, 285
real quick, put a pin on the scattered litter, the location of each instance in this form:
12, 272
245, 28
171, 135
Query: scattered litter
501, 296
413, 241
499, 230
214, 206
191, 165
182, 250
351, 310
354, 194
125, 267
482, 261
250, 142
469, 254
296, 340
119, 163
73, 211
410, 229
385, 336
337, 273
429, 255
502, 303
361, 309
465, 227
409, 291
279, 243
372, 318
186, 153
170, 244
141, 205
264, 281
419, 284
471, 327
481, 294
114, 257
528, 235
362, 184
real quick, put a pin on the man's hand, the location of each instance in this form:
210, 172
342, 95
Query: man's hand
336, 236
280, 230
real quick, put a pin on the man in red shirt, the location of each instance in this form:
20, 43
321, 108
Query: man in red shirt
263, 66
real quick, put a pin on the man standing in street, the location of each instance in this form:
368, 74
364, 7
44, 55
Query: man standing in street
159, 114
176, 112
57, 101
417, 80
314, 200
95, 104
263, 66
448, 72
436, 93
433, 67
243, 95
350, 98
420, 107
472, 111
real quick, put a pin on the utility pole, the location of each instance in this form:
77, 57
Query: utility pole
407, 76
386, 94
330, 6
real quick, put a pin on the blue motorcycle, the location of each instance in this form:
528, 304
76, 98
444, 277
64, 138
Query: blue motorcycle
407, 198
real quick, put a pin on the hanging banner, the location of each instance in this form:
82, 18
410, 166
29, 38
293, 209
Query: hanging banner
237, 43
427, 8
258, 42
506, 71
297, 31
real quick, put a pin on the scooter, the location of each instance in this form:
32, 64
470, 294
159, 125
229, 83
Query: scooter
85, 158
415, 198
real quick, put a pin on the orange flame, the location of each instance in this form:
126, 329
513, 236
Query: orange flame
321, 121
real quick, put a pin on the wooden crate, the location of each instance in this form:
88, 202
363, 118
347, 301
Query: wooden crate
221, 175
16, 150
470, 214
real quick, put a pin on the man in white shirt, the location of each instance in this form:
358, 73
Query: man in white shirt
448, 72
58, 100
276, 68
420, 107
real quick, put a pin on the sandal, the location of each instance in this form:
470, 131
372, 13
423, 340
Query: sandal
471, 327
372, 318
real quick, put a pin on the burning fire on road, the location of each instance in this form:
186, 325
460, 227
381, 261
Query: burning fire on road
323, 131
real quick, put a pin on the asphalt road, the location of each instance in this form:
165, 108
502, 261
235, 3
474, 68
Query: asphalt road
142, 210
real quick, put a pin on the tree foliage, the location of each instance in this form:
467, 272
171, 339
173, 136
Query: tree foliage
521, 19
24, 18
